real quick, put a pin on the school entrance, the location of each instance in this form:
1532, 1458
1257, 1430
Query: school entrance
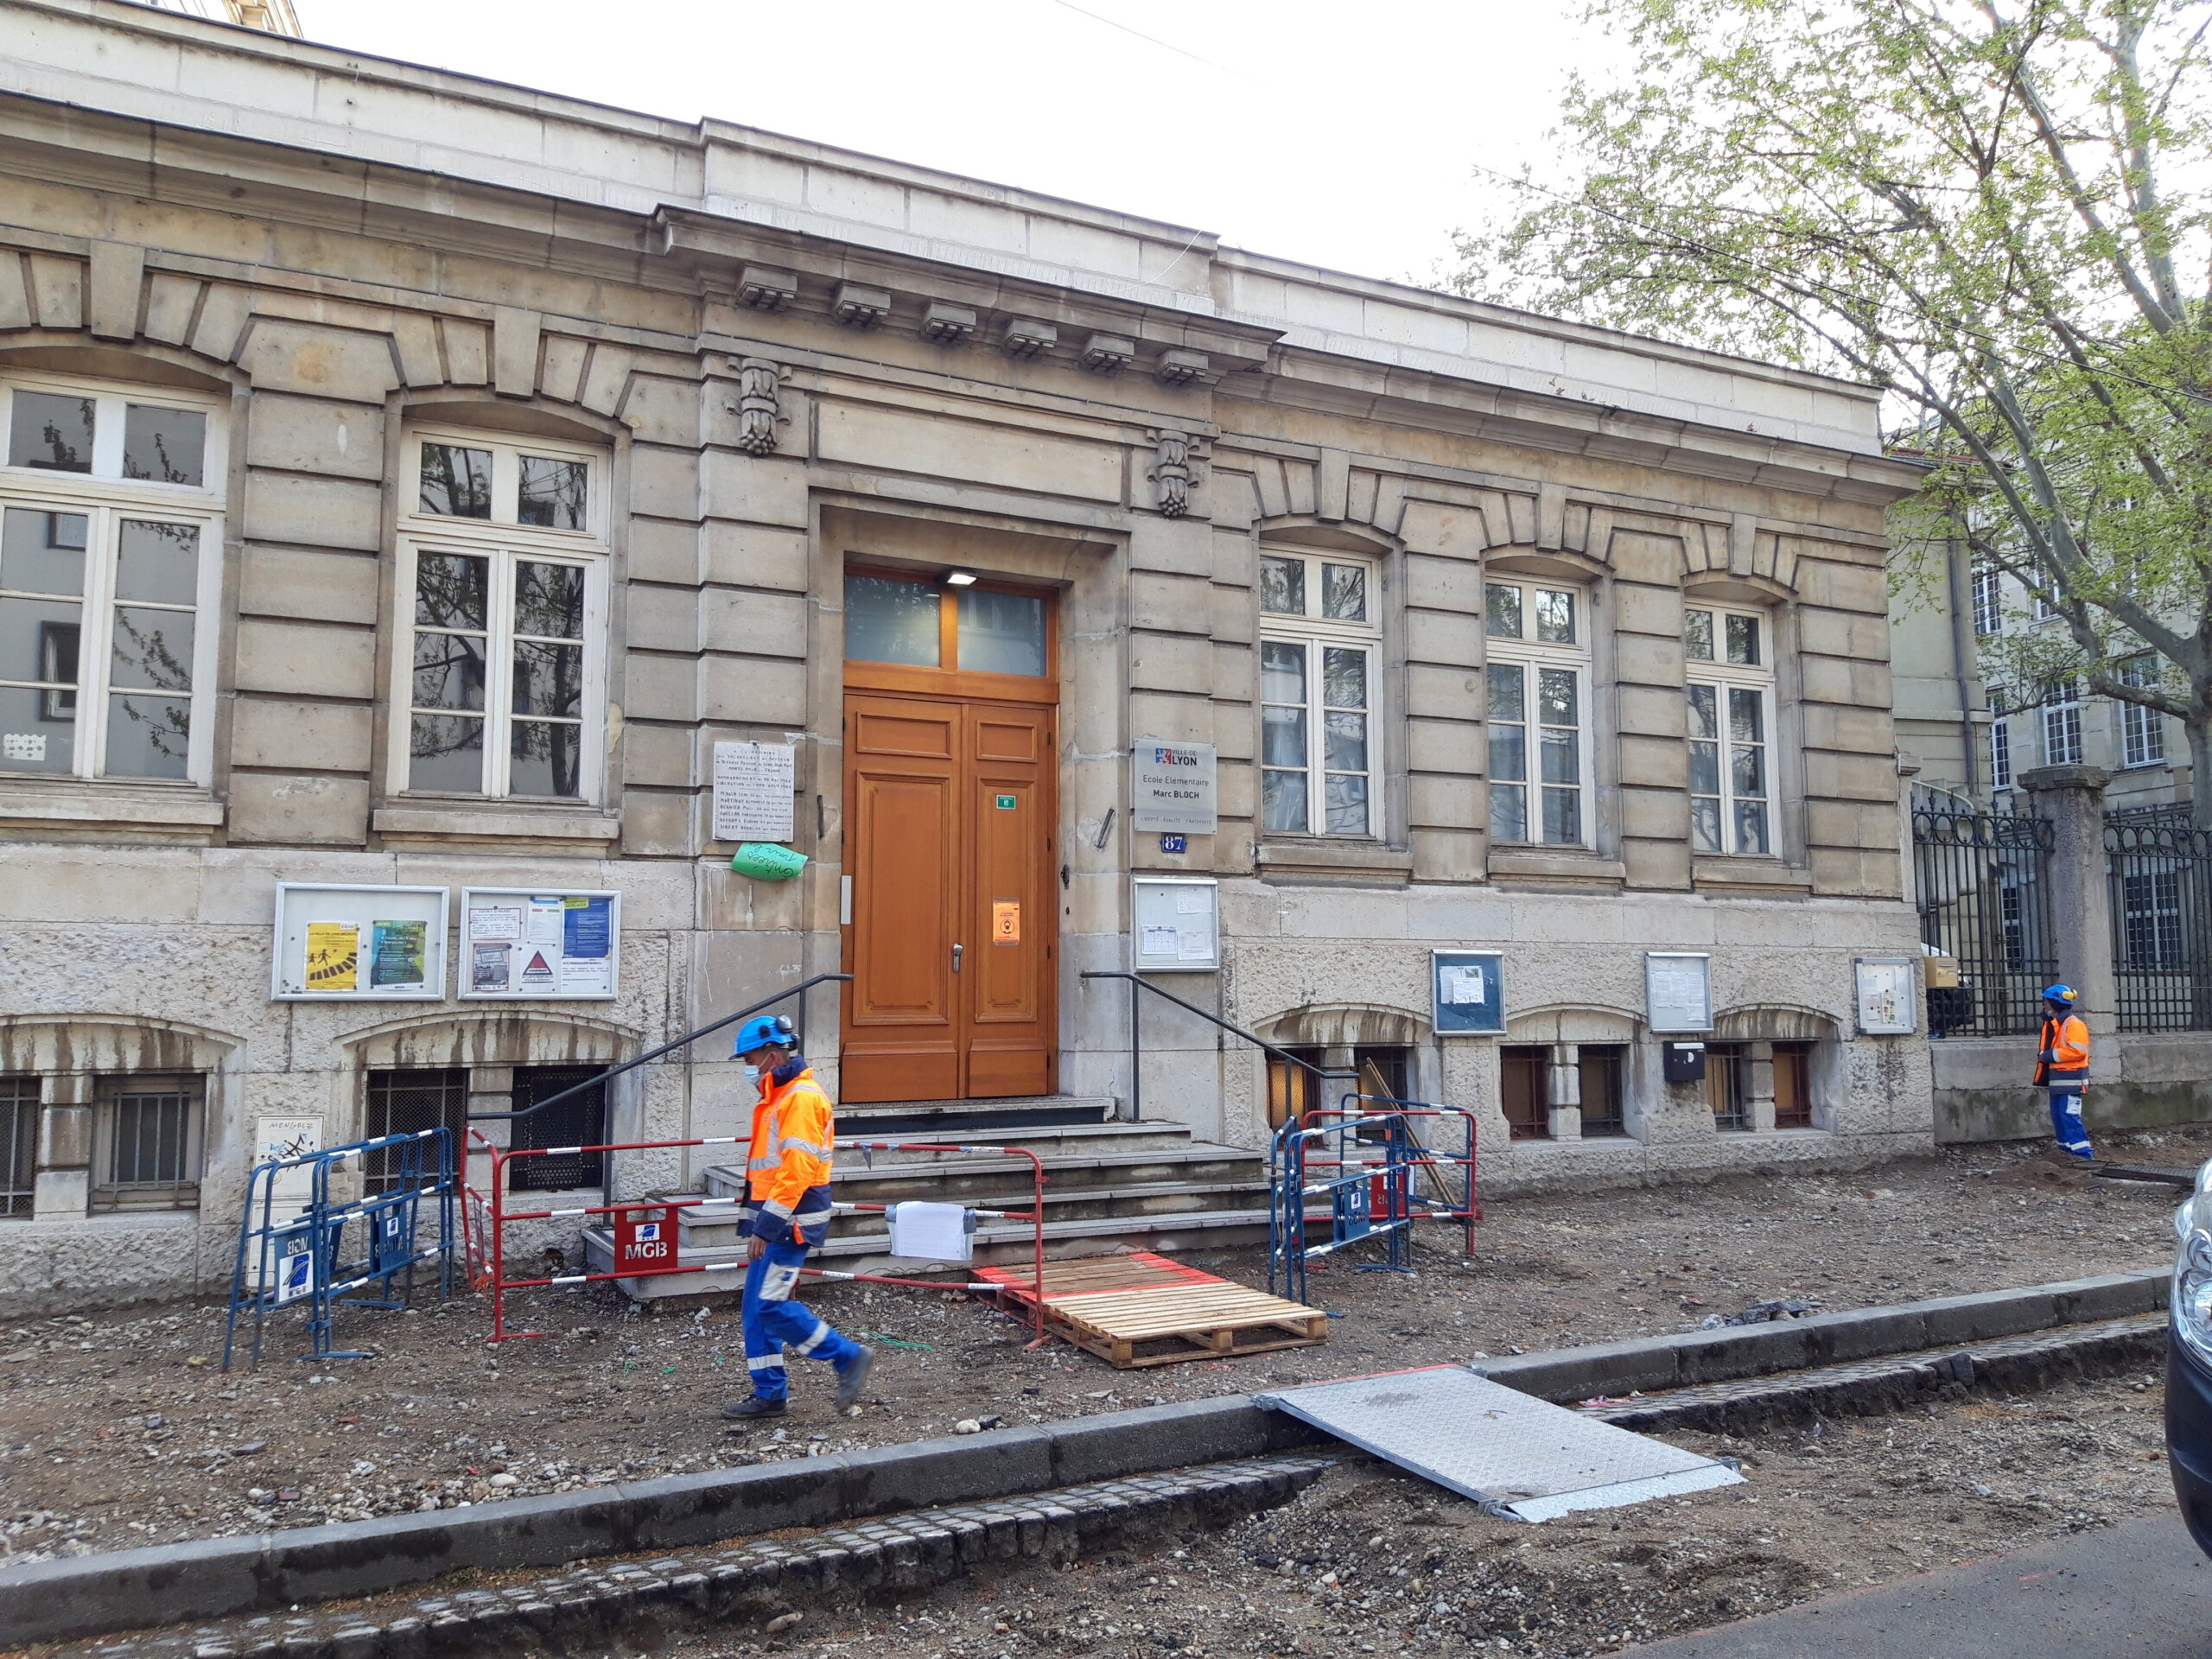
948, 913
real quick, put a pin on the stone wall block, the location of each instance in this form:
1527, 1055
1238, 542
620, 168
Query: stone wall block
664, 549
752, 690
1160, 662
1444, 584
313, 512
468, 351
1446, 855
170, 302
1837, 679
1653, 762
1662, 864
1437, 800
657, 687
1172, 718
1638, 609
1862, 584
414, 337
1642, 557
224, 312
1445, 693
561, 375
1449, 637
762, 625
1651, 711
756, 555
1446, 530
308, 436
57, 290
1162, 603
1446, 746
753, 489
1653, 814
607, 378
662, 618
1230, 617
1647, 660
297, 660
1851, 777
1832, 726
665, 409
662, 757
118, 278
1843, 633
655, 824
1843, 823
1174, 546
288, 733
514, 351
319, 361
18, 309
287, 581
295, 809
664, 483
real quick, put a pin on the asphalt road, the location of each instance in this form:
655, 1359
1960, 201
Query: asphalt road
2137, 1591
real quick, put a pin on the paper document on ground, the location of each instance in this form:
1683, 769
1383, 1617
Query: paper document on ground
1517, 1456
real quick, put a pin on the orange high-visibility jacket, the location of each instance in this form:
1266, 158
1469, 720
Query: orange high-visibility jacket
787, 1169
2067, 1042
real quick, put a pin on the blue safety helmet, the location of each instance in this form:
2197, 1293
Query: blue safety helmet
2058, 993
775, 1032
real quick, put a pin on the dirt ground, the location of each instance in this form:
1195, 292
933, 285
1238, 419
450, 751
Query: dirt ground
1370, 1561
118, 1430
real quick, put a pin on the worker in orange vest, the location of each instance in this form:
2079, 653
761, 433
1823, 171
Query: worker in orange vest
2063, 1067
787, 1213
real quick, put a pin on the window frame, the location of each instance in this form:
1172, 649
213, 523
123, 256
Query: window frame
2142, 731
107, 1194
1314, 634
1726, 679
2000, 752
2062, 703
106, 498
1531, 655
505, 543
1986, 591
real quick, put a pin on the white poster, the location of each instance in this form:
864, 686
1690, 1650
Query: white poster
1160, 942
1886, 1005
540, 944
1678, 994
754, 786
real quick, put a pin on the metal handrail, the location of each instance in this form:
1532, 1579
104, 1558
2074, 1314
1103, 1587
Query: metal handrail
1136, 1041
798, 990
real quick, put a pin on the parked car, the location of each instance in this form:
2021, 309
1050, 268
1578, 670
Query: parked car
2188, 1363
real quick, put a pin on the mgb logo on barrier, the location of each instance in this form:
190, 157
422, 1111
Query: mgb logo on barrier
646, 1238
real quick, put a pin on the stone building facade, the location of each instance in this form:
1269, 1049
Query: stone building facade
425, 475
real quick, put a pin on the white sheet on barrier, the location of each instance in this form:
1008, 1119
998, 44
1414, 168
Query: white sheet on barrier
932, 1232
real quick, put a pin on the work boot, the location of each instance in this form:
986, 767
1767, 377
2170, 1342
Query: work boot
852, 1377
741, 1410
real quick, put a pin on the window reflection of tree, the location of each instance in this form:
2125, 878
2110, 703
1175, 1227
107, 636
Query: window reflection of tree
552, 493
143, 646
168, 728
449, 591
456, 480
65, 458
560, 747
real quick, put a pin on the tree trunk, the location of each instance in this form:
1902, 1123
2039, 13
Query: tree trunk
2199, 727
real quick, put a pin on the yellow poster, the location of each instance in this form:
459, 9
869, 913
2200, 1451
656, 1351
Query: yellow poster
1006, 921
333, 955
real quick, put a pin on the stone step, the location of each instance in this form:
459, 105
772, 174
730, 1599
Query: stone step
933, 1120
983, 1180
716, 1228
997, 1244
1048, 1141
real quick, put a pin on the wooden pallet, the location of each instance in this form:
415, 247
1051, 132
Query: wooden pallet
1142, 1309
1166, 1323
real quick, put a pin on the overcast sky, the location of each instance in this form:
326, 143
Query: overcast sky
1345, 134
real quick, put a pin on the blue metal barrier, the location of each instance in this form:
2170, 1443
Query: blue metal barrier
323, 1254
1362, 1158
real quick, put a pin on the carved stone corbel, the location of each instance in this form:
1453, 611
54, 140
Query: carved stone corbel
1175, 460
758, 412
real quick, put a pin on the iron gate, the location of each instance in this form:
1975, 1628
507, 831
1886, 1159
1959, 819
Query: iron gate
2159, 870
1982, 883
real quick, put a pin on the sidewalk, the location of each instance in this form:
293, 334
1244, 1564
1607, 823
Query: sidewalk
2137, 1591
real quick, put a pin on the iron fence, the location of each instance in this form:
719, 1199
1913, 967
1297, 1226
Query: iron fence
1982, 881
2159, 870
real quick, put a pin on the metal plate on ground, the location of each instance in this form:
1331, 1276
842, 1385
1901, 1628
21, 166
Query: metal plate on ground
1517, 1456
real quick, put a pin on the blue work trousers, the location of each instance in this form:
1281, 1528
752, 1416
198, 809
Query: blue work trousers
2073, 1134
772, 1319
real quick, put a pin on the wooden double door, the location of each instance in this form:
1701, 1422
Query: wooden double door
950, 922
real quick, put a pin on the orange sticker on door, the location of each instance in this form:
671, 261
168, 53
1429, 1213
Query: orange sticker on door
1006, 921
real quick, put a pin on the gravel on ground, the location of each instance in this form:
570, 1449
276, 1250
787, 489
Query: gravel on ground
118, 1428
1373, 1560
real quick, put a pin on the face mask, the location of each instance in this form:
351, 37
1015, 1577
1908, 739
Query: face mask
752, 1072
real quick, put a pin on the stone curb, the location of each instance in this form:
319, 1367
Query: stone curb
1663, 1363
1869, 1387
638, 1604
88, 1595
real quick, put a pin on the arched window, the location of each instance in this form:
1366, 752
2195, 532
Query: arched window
1731, 690
1539, 706
1318, 629
110, 554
